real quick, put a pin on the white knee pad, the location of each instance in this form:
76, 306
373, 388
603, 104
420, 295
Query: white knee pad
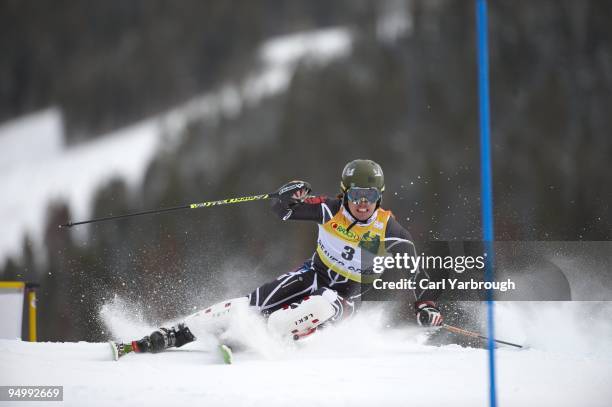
298, 319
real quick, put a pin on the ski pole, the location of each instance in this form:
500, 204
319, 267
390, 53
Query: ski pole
460, 331
176, 208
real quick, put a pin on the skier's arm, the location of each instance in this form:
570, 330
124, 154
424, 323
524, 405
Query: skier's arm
398, 240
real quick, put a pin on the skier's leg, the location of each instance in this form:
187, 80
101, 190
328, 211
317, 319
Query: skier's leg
213, 320
216, 318
265, 299
292, 286
300, 301
302, 317
343, 308
164, 338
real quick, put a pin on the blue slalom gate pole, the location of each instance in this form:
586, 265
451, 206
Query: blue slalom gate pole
486, 188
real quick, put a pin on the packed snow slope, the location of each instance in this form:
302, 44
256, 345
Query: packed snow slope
358, 363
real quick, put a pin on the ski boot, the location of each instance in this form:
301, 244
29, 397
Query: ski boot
158, 341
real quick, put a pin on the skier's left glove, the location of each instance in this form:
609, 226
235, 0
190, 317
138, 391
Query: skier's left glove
427, 314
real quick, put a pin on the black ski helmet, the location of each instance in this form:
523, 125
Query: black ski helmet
362, 174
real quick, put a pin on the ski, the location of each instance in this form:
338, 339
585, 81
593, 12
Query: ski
226, 354
120, 349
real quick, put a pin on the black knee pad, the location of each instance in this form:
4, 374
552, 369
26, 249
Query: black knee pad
183, 335
158, 341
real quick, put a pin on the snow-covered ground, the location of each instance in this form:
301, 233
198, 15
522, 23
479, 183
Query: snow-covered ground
36, 168
357, 363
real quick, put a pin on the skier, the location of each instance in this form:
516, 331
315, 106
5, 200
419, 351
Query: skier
327, 287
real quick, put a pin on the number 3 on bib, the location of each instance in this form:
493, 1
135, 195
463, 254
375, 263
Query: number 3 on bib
348, 253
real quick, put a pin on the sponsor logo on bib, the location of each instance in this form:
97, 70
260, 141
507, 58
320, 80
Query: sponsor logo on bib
349, 234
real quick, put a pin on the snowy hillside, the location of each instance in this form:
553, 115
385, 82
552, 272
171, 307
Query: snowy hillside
36, 168
358, 363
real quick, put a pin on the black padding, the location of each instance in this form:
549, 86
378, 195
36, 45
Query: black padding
183, 336
158, 342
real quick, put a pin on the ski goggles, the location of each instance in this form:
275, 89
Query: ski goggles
358, 195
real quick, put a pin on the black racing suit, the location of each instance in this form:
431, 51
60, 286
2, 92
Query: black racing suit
314, 276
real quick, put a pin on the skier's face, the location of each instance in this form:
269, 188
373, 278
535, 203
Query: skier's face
362, 210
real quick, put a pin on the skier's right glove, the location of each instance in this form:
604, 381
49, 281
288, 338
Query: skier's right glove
289, 195
293, 192
427, 314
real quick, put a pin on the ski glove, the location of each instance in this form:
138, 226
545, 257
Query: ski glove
293, 192
427, 314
